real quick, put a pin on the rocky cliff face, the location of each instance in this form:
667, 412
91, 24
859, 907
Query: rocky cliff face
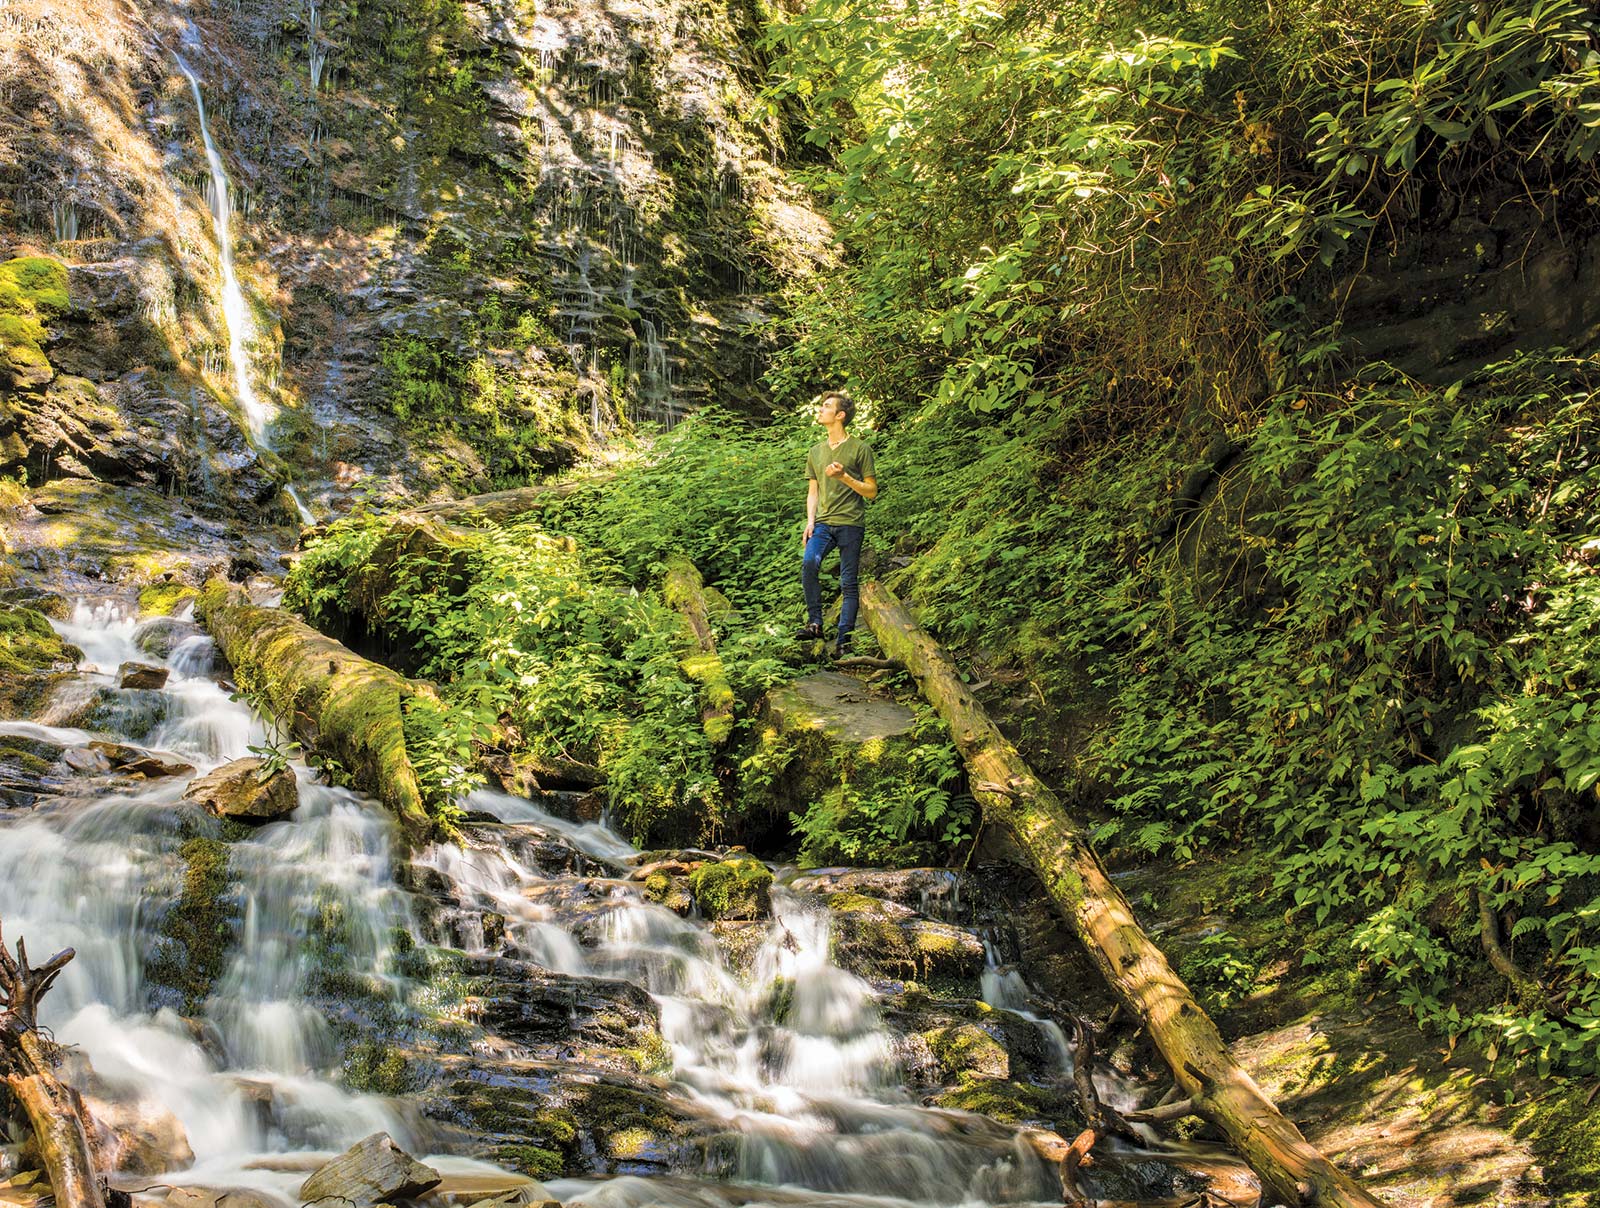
474, 237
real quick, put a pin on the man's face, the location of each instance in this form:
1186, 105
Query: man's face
830, 411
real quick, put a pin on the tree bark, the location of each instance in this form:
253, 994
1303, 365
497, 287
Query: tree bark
334, 701
685, 591
53, 1108
1014, 799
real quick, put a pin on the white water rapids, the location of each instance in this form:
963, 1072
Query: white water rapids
789, 1059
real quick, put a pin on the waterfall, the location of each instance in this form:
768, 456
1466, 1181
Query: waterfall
235, 311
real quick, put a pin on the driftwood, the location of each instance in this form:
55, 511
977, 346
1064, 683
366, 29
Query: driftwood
685, 591
53, 1108
335, 702
1013, 799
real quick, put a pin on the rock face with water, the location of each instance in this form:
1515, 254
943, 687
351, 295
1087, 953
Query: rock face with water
246, 790
373, 1171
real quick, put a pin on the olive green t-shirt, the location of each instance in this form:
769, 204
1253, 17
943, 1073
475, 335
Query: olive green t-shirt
837, 503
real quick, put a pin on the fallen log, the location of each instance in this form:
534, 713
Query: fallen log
685, 591
501, 507
54, 1109
333, 701
1013, 799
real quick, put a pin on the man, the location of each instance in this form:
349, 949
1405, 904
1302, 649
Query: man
841, 478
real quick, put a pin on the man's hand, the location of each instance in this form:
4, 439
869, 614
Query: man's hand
835, 469
806, 536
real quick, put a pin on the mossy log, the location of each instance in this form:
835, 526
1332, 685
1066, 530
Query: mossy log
54, 1110
334, 701
1014, 799
503, 507
685, 591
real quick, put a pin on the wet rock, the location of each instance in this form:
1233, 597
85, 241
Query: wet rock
372, 1171
732, 889
557, 1016
86, 761
141, 675
138, 1137
670, 891
133, 713
884, 940
28, 770
160, 636
529, 1195
930, 891
132, 761
243, 790
219, 1197
32, 659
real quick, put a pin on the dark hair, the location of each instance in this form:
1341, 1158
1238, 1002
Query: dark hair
843, 399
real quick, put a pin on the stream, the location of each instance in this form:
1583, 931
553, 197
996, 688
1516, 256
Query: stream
780, 1067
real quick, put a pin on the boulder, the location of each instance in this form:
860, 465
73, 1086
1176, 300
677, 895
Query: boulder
244, 790
160, 636
139, 1137
373, 1171
141, 675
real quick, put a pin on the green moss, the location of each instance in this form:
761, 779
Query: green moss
1007, 1102
163, 599
625, 1144
530, 1160
968, 1050
32, 288
38, 282
375, 1068
1563, 1130
197, 931
32, 658
735, 888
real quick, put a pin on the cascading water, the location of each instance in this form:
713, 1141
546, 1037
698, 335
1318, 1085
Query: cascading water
235, 311
787, 1060
99, 869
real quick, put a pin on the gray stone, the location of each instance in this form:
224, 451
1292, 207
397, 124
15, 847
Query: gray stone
239, 790
372, 1171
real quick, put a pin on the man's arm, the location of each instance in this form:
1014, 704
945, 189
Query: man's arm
866, 487
811, 509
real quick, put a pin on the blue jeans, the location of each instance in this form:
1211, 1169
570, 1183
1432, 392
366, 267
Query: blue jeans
824, 537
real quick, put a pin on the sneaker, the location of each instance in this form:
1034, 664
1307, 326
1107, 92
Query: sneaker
841, 648
808, 633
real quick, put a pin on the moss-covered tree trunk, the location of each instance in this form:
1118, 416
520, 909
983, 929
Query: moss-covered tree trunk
1015, 800
334, 701
503, 507
686, 592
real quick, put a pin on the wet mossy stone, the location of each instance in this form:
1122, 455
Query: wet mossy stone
165, 598
32, 658
32, 290
1011, 1102
131, 713
968, 1050
737, 888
